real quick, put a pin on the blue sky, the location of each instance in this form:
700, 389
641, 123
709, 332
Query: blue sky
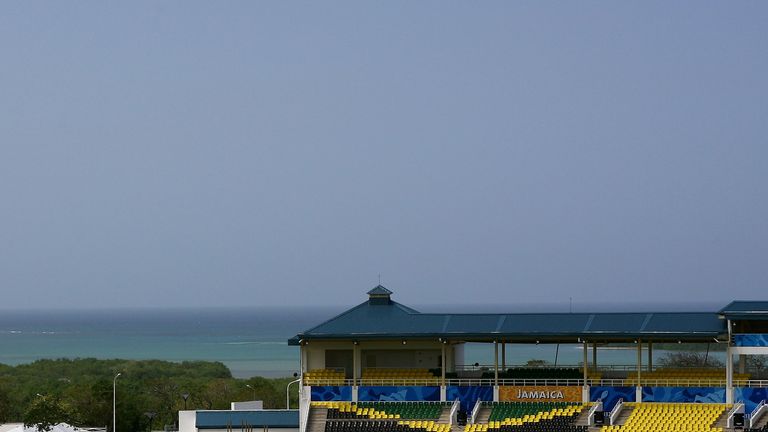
270, 153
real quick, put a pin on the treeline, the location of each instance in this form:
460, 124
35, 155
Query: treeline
79, 391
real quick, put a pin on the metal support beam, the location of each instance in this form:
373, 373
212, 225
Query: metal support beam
442, 366
639, 360
594, 356
503, 355
650, 356
729, 369
495, 363
586, 364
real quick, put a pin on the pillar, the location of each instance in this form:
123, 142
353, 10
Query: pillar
639, 388
594, 356
650, 356
495, 363
442, 366
503, 355
356, 366
586, 365
729, 369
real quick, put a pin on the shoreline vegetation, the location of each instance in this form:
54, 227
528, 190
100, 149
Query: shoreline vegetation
79, 391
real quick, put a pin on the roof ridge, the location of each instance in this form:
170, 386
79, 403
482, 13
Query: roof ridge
336, 317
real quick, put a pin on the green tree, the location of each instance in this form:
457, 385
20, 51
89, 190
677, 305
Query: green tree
45, 412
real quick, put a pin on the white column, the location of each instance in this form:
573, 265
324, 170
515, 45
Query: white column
356, 364
586, 364
503, 355
650, 356
495, 363
442, 366
639, 388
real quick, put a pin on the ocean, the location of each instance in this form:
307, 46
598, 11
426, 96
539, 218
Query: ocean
249, 341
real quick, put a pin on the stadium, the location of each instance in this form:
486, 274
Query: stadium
384, 367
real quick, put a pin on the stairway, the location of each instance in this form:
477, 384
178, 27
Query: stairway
583, 418
762, 420
317, 418
722, 420
484, 415
624, 415
445, 415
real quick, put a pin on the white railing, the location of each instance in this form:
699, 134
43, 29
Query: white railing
616, 411
598, 406
606, 382
305, 396
476, 411
737, 408
754, 416
454, 412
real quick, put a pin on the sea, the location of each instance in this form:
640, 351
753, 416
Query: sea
249, 341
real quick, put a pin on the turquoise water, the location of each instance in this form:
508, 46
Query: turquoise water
248, 341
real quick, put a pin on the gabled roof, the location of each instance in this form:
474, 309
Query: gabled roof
392, 320
287, 419
745, 309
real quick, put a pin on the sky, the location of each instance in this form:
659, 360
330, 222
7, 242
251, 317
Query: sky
188, 154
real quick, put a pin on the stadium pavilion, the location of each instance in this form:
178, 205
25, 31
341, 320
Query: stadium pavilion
382, 366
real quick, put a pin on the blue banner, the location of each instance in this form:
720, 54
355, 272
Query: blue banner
331, 393
750, 396
398, 393
468, 395
611, 395
684, 394
750, 340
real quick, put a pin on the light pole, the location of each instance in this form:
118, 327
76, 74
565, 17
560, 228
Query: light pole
185, 396
114, 402
288, 394
151, 415
254, 391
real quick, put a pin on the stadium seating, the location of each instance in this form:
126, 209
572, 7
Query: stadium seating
385, 426
324, 377
399, 376
683, 377
383, 410
542, 374
530, 416
663, 417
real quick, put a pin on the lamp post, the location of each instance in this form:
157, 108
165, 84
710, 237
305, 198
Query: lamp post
254, 391
288, 394
151, 415
185, 396
114, 402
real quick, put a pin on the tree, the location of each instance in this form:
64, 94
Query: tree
689, 359
45, 412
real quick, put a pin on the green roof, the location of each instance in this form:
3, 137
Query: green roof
746, 309
256, 418
392, 320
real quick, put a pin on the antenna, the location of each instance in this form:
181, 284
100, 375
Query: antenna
379, 278
570, 304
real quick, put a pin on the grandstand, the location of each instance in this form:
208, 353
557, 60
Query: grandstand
382, 367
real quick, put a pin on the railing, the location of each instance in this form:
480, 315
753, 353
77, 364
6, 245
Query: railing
304, 402
737, 408
606, 382
616, 411
754, 416
598, 406
454, 412
476, 411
